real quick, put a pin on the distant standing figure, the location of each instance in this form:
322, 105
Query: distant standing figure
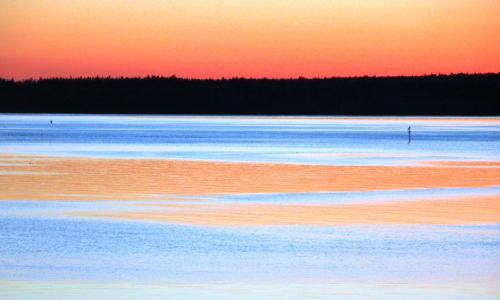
50, 121
409, 134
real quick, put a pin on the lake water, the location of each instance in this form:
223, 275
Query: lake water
190, 207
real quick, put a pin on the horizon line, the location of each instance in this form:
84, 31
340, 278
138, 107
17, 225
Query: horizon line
109, 77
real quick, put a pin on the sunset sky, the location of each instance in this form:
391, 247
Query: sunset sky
247, 38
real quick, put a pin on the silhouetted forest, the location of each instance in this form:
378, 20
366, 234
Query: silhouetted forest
460, 94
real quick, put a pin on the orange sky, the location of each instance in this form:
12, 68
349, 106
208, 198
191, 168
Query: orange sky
248, 38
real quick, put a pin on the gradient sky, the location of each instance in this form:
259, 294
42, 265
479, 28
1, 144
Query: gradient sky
248, 38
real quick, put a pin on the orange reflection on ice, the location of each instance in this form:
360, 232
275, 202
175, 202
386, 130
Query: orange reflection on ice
458, 163
64, 176
450, 210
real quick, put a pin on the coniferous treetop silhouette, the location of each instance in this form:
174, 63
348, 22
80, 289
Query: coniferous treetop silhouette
455, 94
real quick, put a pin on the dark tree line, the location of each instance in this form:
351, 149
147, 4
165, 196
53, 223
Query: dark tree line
460, 94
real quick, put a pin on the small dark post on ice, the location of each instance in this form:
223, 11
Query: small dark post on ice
409, 134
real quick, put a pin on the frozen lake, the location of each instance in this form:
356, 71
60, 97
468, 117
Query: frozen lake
188, 207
